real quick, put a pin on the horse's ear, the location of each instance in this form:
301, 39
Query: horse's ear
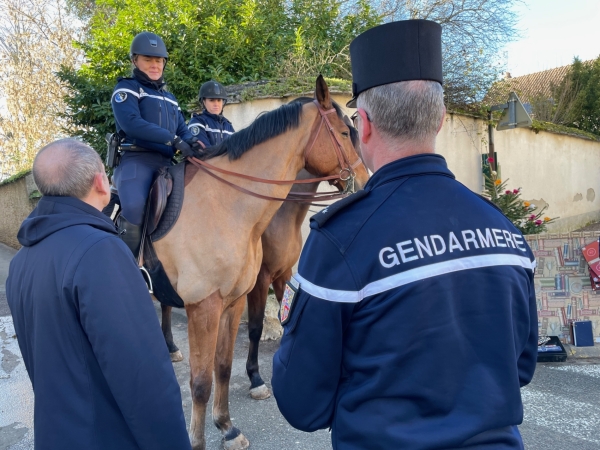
322, 93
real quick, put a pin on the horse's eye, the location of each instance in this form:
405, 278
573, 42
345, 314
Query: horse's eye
345, 133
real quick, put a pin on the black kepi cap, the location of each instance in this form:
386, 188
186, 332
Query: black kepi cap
396, 51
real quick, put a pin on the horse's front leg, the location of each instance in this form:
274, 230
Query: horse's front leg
233, 439
257, 299
203, 328
165, 324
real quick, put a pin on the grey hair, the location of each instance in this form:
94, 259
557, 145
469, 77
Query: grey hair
66, 168
407, 110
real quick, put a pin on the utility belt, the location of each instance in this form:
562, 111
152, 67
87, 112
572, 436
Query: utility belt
116, 148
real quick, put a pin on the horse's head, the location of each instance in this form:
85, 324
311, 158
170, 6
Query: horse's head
330, 148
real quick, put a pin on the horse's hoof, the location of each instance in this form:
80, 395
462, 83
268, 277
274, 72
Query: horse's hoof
261, 392
176, 356
239, 443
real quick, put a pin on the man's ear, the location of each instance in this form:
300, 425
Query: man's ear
99, 185
442, 121
365, 126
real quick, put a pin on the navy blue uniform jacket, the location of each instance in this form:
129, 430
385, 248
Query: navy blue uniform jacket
150, 118
209, 128
415, 324
89, 336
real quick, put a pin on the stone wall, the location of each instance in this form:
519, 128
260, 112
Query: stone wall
17, 200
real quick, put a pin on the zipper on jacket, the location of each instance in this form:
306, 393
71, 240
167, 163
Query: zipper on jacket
160, 115
167, 111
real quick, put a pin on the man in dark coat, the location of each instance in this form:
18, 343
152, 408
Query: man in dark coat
89, 335
411, 323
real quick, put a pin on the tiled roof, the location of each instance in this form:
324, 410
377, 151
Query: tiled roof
527, 87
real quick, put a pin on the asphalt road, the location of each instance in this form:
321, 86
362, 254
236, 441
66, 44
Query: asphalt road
562, 410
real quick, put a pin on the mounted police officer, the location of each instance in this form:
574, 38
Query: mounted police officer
211, 127
411, 323
151, 126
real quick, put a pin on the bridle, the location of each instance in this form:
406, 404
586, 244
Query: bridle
346, 174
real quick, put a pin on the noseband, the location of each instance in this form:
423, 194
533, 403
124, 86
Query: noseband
347, 170
346, 174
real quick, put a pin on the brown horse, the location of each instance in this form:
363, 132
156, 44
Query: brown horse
213, 253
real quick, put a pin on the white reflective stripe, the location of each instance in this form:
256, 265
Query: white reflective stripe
327, 294
209, 129
410, 276
161, 98
218, 131
145, 95
129, 91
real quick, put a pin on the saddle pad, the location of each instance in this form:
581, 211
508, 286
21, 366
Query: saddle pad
174, 203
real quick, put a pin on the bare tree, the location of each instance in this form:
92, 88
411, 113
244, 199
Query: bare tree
474, 33
36, 39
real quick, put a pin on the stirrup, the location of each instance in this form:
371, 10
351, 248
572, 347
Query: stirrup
147, 279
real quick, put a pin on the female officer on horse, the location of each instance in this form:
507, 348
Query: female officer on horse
210, 126
151, 126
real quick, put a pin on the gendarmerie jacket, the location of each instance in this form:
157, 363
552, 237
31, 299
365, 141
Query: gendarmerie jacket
211, 129
148, 115
415, 323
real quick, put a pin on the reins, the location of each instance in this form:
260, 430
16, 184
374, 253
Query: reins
346, 173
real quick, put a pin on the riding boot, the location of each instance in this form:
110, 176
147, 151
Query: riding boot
131, 235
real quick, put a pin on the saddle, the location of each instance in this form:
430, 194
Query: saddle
162, 211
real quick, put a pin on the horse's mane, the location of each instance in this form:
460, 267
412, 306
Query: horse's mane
266, 126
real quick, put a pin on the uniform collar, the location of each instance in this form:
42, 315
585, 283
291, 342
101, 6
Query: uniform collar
215, 117
142, 78
412, 165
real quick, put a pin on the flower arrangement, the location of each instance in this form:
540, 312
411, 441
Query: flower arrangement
521, 213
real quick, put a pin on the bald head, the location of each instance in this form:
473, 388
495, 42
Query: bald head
67, 168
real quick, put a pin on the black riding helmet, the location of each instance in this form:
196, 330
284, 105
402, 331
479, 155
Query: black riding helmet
148, 44
212, 89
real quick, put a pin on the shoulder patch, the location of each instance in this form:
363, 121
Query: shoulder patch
323, 216
120, 97
287, 302
194, 129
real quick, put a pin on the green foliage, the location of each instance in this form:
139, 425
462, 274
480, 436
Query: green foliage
521, 213
286, 87
88, 108
538, 126
232, 41
581, 87
17, 176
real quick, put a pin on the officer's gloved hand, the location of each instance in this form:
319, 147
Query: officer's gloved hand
183, 147
198, 146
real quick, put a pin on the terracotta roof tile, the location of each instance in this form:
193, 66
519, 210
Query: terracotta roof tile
528, 86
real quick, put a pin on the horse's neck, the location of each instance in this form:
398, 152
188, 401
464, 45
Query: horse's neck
280, 158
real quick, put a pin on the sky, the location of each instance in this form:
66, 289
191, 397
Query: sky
553, 32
